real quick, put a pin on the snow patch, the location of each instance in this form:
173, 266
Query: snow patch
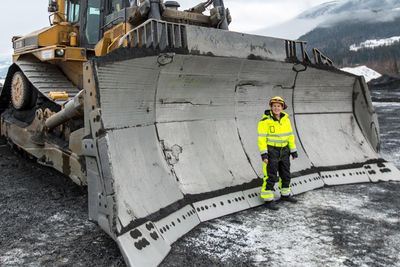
303, 235
13, 257
369, 44
58, 217
386, 104
369, 74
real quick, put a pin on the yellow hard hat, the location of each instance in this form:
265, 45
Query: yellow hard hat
278, 99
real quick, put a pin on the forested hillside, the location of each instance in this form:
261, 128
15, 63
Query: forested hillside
335, 41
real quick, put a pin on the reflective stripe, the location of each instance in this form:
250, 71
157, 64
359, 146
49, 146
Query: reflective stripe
276, 141
264, 152
281, 135
263, 135
267, 195
285, 192
293, 150
277, 145
267, 192
265, 172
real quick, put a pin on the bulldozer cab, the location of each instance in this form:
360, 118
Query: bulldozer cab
94, 16
100, 24
87, 15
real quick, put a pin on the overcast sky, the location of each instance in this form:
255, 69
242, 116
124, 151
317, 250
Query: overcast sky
24, 16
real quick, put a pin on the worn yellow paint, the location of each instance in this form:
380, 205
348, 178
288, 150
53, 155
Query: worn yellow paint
70, 53
110, 39
59, 16
73, 70
58, 96
57, 35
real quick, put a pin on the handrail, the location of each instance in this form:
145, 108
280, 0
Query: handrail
320, 58
156, 34
292, 51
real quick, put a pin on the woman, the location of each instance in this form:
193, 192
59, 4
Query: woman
276, 143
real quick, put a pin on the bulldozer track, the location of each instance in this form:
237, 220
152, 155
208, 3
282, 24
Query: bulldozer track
47, 78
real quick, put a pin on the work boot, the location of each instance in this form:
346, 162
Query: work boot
290, 199
272, 205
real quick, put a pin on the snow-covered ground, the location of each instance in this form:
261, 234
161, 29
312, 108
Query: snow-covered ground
369, 74
375, 43
349, 225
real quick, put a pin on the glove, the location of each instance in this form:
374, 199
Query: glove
294, 155
264, 156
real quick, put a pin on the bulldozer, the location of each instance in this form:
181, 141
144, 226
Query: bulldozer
155, 110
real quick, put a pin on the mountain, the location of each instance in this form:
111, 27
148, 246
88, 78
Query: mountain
372, 43
369, 74
330, 13
350, 32
4, 64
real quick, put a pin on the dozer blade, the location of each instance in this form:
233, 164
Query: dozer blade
171, 139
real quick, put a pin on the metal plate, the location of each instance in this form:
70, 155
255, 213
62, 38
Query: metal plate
382, 172
319, 91
127, 91
233, 44
253, 197
306, 183
184, 92
143, 246
211, 157
178, 224
349, 176
333, 139
143, 182
219, 206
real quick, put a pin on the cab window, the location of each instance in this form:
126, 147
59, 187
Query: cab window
93, 21
72, 9
117, 5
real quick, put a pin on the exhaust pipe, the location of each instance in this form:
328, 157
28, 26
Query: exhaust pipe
155, 12
219, 5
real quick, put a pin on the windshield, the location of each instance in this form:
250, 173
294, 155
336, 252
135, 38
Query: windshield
72, 9
93, 21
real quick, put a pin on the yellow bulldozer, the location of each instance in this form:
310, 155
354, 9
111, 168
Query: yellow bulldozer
155, 110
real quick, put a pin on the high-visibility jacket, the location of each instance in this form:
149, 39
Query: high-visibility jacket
274, 132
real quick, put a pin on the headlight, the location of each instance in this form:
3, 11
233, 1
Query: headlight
60, 52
